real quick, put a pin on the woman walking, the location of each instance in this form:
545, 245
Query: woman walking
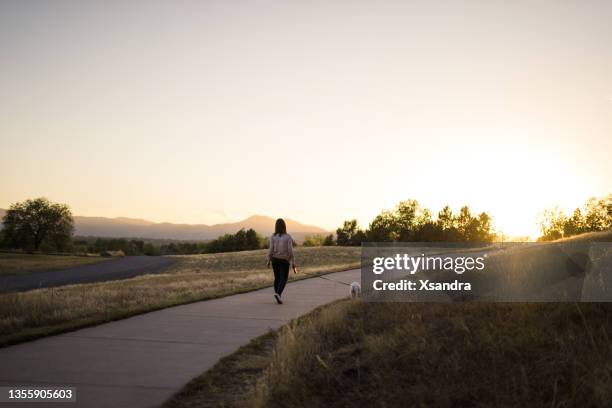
280, 255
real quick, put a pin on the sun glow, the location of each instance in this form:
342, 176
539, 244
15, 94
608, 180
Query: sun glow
213, 112
514, 183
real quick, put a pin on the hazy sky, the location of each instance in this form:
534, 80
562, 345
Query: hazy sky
210, 111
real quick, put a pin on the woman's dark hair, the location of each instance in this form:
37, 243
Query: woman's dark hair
280, 227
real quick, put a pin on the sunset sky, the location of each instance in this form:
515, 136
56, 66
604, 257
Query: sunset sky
210, 111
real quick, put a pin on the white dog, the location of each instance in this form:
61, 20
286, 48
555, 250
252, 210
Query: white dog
355, 290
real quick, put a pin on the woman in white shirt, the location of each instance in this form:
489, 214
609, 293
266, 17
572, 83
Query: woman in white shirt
280, 255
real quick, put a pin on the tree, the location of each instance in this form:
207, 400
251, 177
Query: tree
463, 221
240, 241
598, 214
428, 231
575, 224
251, 240
595, 216
329, 240
410, 222
424, 217
406, 218
349, 234
34, 223
447, 223
383, 228
446, 219
551, 224
484, 228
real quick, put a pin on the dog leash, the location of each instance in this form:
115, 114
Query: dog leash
333, 280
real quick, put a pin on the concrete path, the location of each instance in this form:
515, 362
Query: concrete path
119, 268
143, 360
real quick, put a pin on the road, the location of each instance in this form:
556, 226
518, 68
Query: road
119, 268
143, 360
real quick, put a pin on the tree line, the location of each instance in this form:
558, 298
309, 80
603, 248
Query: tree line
97, 245
594, 216
410, 222
41, 225
242, 240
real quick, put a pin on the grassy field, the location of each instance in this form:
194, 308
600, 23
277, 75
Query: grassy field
357, 354
41, 312
232, 381
13, 263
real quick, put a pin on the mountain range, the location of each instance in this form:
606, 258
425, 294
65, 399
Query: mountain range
122, 227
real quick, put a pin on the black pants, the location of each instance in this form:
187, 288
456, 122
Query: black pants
281, 274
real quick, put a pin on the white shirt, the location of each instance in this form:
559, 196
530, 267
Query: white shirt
281, 247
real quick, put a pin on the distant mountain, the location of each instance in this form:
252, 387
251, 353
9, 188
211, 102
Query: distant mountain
123, 227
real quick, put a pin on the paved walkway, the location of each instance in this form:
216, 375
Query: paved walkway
118, 268
143, 360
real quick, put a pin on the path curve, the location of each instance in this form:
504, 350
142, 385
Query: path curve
118, 268
143, 360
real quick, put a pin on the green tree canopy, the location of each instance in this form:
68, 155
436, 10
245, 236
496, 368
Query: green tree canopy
37, 223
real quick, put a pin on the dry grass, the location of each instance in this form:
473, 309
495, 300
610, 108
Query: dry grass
233, 377
13, 263
601, 236
41, 312
355, 354
310, 260
446, 355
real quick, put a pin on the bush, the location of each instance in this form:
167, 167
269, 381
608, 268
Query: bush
151, 250
318, 240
